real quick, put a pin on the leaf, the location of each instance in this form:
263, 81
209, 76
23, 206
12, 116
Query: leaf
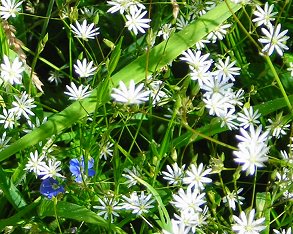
158, 57
115, 56
76, 212
10, 191
23, 213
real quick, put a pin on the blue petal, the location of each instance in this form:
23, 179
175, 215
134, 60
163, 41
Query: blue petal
50, 187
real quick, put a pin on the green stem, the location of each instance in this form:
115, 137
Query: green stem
269, 62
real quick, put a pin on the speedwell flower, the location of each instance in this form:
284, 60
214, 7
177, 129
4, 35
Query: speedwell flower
77, 168
51, 188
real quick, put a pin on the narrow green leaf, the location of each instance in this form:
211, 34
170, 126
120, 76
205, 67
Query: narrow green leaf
115, 56
10, 191
24, 213
75, 212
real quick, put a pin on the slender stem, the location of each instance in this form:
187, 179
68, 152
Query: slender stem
269, 62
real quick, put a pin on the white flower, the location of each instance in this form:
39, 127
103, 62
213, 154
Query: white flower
227, 69
218, 104
274, 39
108, 208
189, 200
278, 126
177, 228
243, 2
218, 33
196, 177
248, 118
283, 231
84, 69
165, 31
135, 21
77, 93
264, 16
106, 150
84, 31
131, 175
4, 141
11, 72
246, 224
157, 93
124, 5
215, 85
36, 163
196, 60
9, 8
8, 118
55, 76
138, 204
252, 151
174, 174
232, 198
131, 95
23, 105
229, 119
51, 169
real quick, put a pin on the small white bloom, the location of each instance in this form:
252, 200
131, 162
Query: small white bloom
9, 8
246, 224
51, 169
190, 200
4, 141
131, 175
106, 150
227, 69
233, 197
165, 31
135, 21
36, 163
55, 76
138, 204
23, 105
218, 33
11, 72
8, 118
196, 60
264, 16
131, 95
174, 174
77, 93
274, 39
196, 177
124, 5
84, 69
108, 208
283, 231
248, 118
84, 31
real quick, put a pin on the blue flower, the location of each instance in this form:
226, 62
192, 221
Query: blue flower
77, 168
51, 188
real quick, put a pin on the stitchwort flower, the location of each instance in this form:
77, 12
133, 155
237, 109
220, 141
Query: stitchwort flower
11, 72
85, 31
274, 39
131, 95
9, 8
135, 21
